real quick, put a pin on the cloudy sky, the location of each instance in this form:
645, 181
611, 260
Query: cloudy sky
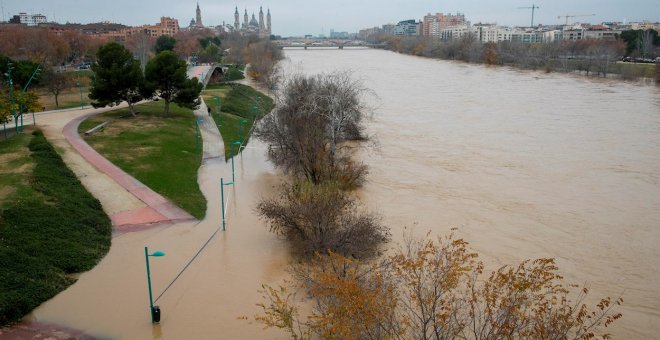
298, 17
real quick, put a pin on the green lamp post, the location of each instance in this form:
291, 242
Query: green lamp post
242, 124
10, 81
155, 310
34, 74
222, 199
238, 144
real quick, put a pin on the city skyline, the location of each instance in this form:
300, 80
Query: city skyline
298, 17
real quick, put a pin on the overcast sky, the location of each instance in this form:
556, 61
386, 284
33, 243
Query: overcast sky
298, 17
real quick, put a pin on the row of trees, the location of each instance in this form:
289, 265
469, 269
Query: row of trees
640, 43
203, 46
309, 136
590, 56
262, 55
198, 46
55, 48
47, 47
118, 77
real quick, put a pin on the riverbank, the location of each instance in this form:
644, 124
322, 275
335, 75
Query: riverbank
574, 57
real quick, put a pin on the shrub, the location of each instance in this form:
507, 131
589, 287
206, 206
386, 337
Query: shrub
321, 218
434, 289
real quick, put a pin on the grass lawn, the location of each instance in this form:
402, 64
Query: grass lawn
635, 70
50, 226
235, 73
238, 103
159, 151
70, 97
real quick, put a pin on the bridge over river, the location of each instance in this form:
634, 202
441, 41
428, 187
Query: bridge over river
318, 42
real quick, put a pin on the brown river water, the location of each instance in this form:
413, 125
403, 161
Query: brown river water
523, 164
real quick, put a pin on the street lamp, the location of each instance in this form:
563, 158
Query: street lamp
222, 199
20, 111
155, 310
232, 158
242, 123
11, 94
81, 98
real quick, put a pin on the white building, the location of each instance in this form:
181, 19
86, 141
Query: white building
483, 32
492, 33
408, 28
31, 19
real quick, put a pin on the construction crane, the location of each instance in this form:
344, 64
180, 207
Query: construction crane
574, 16
534, 7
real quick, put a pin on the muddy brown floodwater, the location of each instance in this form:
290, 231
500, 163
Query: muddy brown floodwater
216, 290
524, 164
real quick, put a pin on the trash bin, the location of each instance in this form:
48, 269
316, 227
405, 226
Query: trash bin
155, 313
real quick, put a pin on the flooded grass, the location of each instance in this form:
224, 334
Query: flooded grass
50, 226
238, 102
161, 152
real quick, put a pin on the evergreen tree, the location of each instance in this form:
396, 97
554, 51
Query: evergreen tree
165, 43
117, 77
166, 75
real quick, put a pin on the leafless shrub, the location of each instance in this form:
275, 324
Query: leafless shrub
309, 128
263, 57
322, 218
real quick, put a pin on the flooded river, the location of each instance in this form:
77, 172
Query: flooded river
524, 164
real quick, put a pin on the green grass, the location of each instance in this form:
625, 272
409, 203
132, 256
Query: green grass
635, 70
15, 164
239, 102
50, 226
234, 73
159, 151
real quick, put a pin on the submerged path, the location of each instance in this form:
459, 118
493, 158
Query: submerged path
219, 288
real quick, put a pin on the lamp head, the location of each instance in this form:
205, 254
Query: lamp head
157, 253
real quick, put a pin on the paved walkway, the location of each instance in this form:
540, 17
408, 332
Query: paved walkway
213, 144
157, 209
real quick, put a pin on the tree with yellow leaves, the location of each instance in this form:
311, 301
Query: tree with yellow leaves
11, 107
434, 289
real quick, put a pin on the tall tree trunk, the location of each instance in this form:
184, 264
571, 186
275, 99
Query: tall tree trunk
131, 108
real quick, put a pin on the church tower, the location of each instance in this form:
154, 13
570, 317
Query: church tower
236, 21
245, 20
268, 22
198, 21
262, 27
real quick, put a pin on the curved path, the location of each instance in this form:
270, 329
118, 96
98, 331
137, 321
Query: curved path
217, 291
157, 208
